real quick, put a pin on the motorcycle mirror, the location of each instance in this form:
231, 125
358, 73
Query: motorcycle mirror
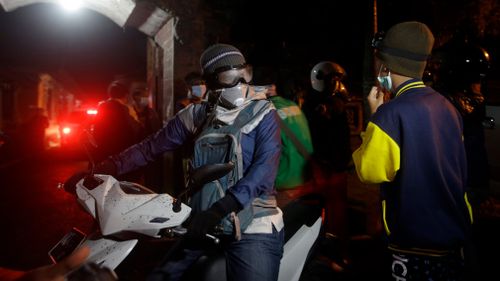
89, 140
209, 172
202, 175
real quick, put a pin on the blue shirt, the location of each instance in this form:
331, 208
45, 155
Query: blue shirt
260, 150
413, 146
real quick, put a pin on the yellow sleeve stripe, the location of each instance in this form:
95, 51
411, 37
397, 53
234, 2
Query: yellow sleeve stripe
378, 158
469, 207
386, 226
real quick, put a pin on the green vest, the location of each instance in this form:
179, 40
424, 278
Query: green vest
292, 167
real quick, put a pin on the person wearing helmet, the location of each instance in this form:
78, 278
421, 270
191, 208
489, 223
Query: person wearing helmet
235, 124
460, 68
324, 108
327, 76
413, 148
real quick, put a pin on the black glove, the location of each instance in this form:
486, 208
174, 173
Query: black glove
106, 167
204, 221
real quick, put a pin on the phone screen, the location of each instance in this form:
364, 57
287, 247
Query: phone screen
66, 245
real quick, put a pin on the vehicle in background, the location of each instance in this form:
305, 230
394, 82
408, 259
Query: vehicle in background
73, 124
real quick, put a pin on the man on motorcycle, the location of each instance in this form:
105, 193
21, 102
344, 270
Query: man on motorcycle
236, 125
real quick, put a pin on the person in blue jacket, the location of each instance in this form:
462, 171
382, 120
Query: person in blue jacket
413, 147
247, 214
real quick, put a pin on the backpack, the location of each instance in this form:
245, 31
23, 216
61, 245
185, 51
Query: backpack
221, 143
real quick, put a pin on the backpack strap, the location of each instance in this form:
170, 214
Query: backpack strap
251, 112
291, 135
247, 117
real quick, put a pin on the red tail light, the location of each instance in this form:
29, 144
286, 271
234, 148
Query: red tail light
92, 111
66, 130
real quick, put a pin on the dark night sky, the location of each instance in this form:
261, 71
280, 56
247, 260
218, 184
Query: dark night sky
340, 31
84, 43
303, 33
93, 48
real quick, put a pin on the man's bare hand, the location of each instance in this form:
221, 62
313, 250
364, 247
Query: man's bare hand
55, 272
375, 99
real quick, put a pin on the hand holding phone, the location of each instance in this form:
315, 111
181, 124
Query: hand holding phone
67, 245
71, 263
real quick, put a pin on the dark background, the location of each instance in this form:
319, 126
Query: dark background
300, 34
84, 49
87, 49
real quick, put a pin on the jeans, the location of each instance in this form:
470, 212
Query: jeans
254, 257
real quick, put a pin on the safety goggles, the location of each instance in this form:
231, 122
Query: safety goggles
377, 40
377, 44
228, 77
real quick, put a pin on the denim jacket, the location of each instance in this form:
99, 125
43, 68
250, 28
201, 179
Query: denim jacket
260, 150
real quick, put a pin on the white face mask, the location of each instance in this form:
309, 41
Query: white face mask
143, 102
233, 97
198, 91
385, 81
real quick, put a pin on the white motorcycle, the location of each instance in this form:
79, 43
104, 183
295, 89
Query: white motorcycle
122, 209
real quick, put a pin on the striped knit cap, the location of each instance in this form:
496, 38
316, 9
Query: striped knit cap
220, 55
406, 48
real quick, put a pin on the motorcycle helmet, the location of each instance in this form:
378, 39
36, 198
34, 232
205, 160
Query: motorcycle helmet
458, 64
326, 71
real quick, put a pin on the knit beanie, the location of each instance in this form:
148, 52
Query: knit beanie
406, 47
220, 55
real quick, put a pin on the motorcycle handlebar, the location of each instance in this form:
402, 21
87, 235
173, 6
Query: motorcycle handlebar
181, 231
215, 239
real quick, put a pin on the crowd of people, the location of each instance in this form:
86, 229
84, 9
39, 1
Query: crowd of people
289, 142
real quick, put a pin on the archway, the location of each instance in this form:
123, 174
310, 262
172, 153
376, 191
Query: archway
159, 27
154, 22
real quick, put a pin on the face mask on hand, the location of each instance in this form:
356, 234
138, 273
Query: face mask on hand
143, 102
233, 97
385, 81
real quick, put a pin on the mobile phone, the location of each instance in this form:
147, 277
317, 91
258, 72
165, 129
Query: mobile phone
67, 245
